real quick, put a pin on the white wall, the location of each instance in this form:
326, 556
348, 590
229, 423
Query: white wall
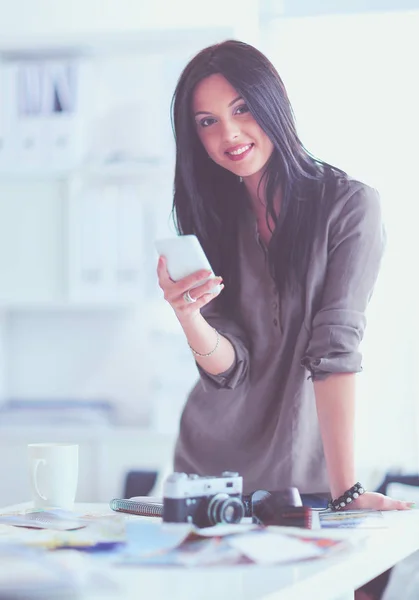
47, 17
355, 101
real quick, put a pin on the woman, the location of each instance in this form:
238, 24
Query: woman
297, 244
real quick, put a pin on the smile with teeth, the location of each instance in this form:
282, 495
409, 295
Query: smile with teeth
240, 150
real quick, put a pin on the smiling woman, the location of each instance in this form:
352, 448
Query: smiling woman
228, 131
298, 244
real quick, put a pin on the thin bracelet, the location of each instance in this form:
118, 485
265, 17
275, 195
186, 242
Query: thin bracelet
212, 351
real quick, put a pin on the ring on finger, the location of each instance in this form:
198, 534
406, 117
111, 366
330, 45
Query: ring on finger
188, 298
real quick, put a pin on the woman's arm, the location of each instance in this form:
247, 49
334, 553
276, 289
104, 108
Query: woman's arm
202, 338
228, 364
335, 402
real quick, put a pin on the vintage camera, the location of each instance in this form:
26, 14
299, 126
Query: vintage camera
204, 501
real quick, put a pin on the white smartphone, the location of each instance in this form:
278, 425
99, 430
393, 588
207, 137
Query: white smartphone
184, 256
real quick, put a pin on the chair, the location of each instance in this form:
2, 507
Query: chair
139, 483
412, 480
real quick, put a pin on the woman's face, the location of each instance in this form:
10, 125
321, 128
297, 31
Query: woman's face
227, 129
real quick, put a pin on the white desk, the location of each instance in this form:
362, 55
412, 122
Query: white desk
323, 579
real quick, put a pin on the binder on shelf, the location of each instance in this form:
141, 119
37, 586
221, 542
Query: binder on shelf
40, 117
8, 117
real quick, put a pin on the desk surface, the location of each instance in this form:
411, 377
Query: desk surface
323, 579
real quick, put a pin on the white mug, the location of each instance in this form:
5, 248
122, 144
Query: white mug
53, 472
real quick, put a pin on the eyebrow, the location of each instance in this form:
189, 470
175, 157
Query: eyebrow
203, 112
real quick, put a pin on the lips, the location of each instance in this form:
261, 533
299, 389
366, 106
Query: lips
239, 152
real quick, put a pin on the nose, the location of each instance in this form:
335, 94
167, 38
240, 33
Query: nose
231, 130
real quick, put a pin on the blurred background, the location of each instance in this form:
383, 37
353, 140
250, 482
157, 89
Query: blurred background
89, 351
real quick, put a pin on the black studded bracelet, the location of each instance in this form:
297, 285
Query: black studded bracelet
347, 497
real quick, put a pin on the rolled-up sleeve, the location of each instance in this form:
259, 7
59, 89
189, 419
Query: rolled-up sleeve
355, 250
238, 373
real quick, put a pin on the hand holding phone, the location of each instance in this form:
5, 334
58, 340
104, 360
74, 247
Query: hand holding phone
185, 256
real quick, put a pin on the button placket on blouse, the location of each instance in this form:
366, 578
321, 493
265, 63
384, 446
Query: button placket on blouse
275, 303
275, 307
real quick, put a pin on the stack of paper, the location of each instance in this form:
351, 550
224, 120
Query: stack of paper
352, 519
63, 529
56, 519
151, 543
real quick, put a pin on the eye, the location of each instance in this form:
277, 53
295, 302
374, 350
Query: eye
240, 110
206, 122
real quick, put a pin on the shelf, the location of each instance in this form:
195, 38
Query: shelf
38, 175
101, 44
127, 171
130, 170
91, 432
158, 313
20, 307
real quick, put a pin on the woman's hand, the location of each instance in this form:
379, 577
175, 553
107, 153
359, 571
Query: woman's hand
375, 501
174, 291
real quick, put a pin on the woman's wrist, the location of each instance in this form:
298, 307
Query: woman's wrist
212, 351
347, 497
338, 487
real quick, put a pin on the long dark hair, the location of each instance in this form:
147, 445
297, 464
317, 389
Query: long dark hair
208, 198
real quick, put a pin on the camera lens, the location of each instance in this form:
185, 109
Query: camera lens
225, 509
